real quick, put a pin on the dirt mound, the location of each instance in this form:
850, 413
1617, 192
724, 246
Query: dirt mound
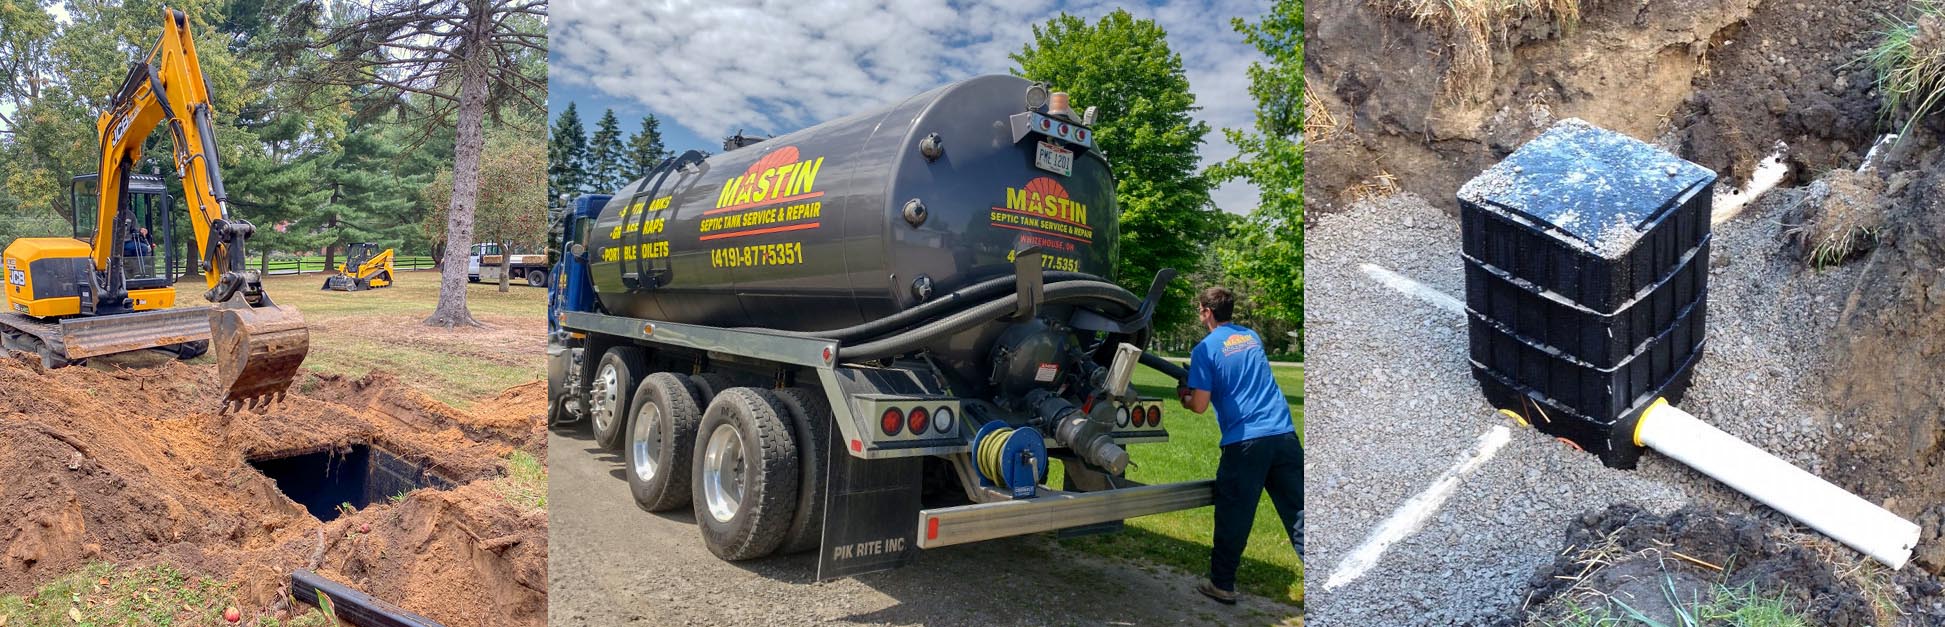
1624, 560
136, 467
1721, 81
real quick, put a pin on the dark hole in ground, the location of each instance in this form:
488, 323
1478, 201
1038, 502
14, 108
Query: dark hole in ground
359, 475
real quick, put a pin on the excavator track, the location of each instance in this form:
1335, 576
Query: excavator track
258, 350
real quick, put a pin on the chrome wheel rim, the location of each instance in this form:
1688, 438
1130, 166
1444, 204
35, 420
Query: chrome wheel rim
606, 392
646, 441
722, 473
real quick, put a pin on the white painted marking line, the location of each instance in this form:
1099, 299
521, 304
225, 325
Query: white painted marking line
1410, 516
1413, 288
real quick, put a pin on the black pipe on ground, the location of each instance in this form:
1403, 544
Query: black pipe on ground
351, 606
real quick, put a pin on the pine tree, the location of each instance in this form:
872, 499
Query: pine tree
645, 149
607, 160
567, 155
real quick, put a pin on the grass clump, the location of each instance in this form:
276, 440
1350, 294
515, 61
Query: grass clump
525, 485
106, 594
1909, 63
1473, 25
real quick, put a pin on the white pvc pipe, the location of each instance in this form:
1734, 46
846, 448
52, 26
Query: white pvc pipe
1837, 513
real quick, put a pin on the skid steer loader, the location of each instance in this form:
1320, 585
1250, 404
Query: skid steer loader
362, 270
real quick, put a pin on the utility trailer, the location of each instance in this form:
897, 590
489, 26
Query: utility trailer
894, 357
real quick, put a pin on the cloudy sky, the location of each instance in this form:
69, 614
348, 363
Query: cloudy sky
708, 69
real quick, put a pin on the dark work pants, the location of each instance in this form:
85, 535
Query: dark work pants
1248, 468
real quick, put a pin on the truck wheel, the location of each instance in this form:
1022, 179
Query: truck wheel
745, 474
661, 438
537, 278
812, 422
614, 381
707, 385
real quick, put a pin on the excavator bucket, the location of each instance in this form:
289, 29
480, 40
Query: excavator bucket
258, 350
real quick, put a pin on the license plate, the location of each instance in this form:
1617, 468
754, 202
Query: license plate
1054, 159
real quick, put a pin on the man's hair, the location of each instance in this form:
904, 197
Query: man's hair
1219, 302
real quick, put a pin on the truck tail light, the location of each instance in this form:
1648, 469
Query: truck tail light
1154, 415
892, 421
918, 420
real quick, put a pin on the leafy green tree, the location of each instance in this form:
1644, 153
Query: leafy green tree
645, 148
607, 159
1124, 66
567, 155
1267, 249
510, 210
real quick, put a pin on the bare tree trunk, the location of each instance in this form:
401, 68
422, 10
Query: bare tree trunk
506, 264
469, 142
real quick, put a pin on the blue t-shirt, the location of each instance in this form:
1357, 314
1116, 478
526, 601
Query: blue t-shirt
1231, 366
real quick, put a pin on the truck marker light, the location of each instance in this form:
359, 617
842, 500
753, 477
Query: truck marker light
648, 329
857, 446
918, 420
892, 421
827, 354
942, 419
931, 528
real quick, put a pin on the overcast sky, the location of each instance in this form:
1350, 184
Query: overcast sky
709, 69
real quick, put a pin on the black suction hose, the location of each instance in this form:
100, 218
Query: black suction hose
910, 340
1164, 366
961, 298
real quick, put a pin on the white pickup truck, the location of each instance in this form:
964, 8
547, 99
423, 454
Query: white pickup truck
484, 265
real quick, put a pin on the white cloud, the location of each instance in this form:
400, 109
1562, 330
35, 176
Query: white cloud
773, 66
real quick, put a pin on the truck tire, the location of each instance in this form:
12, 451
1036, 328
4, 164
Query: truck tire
707, 385
661, 437
537, 278
744, 477
615, 377
812, 422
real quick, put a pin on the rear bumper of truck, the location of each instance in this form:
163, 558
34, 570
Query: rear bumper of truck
947, 526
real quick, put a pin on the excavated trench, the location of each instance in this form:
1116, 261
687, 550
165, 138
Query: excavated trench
363, 480
331, 480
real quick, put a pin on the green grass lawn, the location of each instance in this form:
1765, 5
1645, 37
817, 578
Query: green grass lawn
354, 333
1181, 539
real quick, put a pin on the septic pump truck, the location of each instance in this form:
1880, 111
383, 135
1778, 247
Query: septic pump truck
870, 337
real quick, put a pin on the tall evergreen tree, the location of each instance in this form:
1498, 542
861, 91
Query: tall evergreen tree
567, 155
645, 148
607, 159
1124, 66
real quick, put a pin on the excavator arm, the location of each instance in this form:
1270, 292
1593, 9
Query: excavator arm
258, 344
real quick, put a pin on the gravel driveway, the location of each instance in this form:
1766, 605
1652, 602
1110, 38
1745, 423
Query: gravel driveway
613, 564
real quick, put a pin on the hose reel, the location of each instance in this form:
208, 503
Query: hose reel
1010, 459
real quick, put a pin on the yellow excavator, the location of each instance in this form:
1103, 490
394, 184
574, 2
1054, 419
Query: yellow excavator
98, 293
362, 270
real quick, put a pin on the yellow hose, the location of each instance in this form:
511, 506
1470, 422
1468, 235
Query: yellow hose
990, 455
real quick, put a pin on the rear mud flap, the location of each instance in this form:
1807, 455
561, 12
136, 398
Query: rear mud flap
869, 513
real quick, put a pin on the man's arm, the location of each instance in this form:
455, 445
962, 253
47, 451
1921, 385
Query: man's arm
1193, 400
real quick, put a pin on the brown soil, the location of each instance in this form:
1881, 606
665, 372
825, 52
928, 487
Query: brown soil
134, 466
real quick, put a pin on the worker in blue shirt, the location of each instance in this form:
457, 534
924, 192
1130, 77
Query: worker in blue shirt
1260, 450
